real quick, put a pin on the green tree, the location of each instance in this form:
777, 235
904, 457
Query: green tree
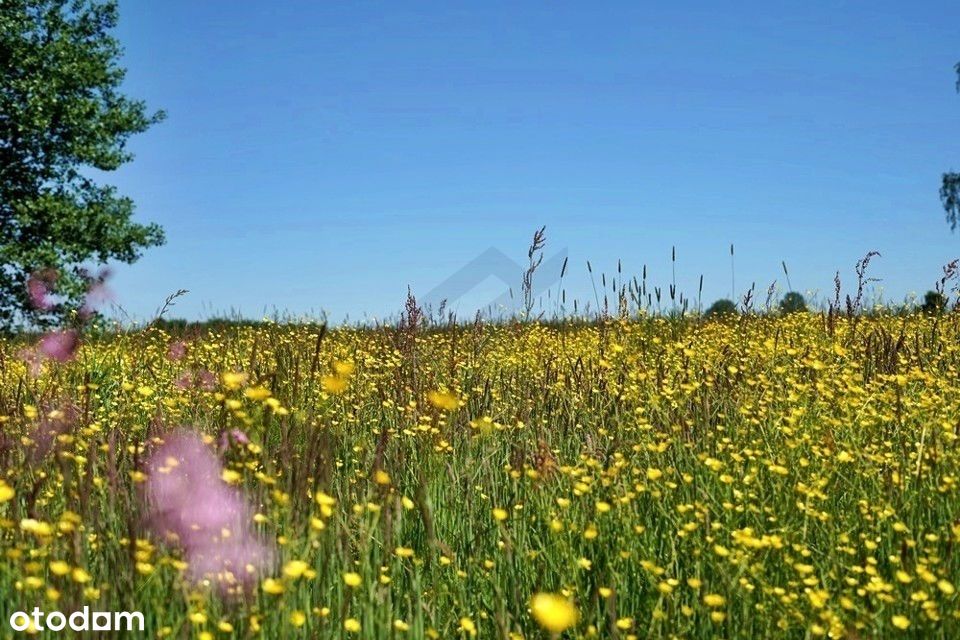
793, 302
950, 189
934, 302
62, 115
722, 307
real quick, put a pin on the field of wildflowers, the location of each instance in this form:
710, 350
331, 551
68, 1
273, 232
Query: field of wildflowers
756, 476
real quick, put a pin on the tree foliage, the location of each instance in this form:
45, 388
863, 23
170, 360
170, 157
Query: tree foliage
793, 302
62, 115
950, 189
934, 302
722, 307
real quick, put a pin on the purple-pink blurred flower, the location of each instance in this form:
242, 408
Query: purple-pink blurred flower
206, 380
200, 379
39, 289
185, 381
177, 350
236, 563
189, 503
235, 436
97, 293
60, 345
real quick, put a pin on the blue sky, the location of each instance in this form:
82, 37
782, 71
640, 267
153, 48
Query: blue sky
326, 155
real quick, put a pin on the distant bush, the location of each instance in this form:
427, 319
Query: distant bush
934, 302
793, 302
722, 307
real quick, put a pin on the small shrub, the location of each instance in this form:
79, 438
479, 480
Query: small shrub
793, 302
934, 303
722, 307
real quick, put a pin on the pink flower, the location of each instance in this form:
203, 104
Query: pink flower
189, 503
235, 435
60, 345
39, 287
206, 380
177, 350
200, 379
97, 293
185, 381
229, 562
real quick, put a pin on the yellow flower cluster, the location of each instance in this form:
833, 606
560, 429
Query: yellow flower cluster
655, 477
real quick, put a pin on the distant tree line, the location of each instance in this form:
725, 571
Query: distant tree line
934, 302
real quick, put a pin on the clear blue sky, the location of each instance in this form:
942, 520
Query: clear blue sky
326, 155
